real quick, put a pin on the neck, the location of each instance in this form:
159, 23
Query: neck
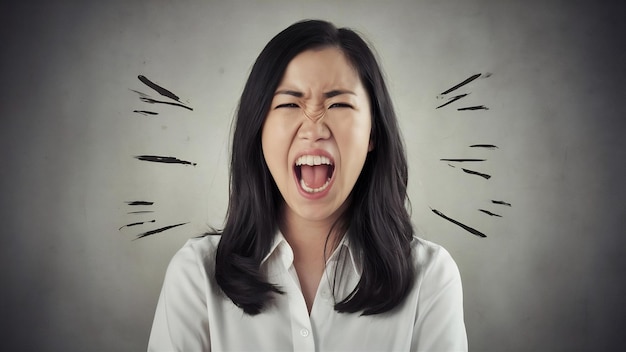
308, 238
312, 241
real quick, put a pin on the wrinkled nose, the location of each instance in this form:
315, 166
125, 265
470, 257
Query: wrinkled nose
313, 127
316, 115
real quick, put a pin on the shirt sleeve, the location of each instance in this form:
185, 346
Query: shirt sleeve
440, 325
181, 318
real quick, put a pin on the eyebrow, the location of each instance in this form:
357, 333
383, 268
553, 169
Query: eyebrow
327, 95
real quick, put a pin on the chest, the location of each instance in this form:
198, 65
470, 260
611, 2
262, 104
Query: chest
286, 324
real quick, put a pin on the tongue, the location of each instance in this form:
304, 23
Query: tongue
314, 176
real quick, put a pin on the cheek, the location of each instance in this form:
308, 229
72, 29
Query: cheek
354, 144
355, 135
275, 143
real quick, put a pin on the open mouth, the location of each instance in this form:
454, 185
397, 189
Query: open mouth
314, 172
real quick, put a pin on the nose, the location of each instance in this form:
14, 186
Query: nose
314, 127
315, 115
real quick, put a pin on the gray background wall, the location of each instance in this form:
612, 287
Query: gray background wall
549, 276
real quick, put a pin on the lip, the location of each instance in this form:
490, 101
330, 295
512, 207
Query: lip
314, 152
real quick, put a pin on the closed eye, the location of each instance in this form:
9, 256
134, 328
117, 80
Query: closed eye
340, 105
288, 105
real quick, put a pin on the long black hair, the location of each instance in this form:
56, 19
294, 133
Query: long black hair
377, 218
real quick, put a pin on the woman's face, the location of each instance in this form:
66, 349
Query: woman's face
317, 134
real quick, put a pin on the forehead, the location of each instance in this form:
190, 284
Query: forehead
317, 70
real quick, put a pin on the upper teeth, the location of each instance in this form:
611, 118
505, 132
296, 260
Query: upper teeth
313, 160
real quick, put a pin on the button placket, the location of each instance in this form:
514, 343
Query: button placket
302, 331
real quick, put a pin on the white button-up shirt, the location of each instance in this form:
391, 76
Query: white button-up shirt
194, 315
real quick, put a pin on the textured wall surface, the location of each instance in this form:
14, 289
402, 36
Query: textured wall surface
549, 274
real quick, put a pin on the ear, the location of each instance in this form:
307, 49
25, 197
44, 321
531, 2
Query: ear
370, 147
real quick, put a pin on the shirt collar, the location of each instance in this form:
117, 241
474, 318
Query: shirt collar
353, 253
281, 250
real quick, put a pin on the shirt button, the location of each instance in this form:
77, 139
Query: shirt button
304, 332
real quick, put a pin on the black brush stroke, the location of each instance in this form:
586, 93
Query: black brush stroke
154, 101
140, 212
465, 227
500, 202
461, 84
135, 224
462, 160
490, 213
140, 93
472, 172
471, 108
164, 92
146, 112
139, 202
487, 146
152, 232
164, 159
452, 100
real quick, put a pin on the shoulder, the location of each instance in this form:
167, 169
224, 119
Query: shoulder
434, 264
427, 253
196, 256
439, 320
199, 248
181, 316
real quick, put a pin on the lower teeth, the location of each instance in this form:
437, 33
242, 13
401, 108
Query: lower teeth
314, 190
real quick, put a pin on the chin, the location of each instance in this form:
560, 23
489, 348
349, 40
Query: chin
320, 211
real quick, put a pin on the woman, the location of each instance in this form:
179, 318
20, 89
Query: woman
318, 252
